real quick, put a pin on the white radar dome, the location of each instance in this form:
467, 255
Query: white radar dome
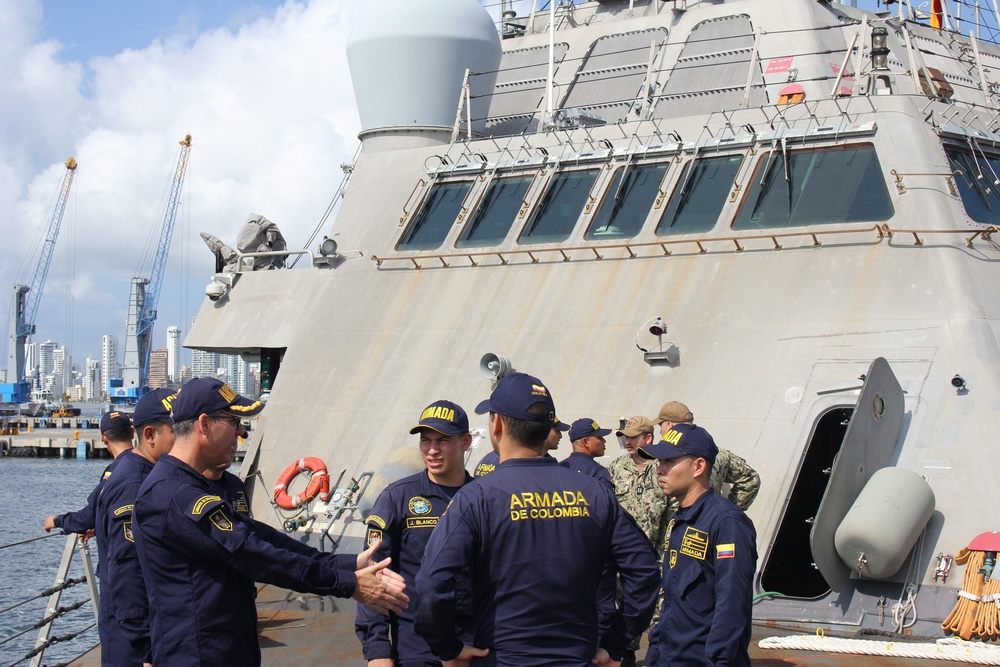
408, 59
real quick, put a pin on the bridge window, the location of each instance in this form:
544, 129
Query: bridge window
627, 202
496, 213
560, 207
431, 225
977, 185
700, 194
815, 187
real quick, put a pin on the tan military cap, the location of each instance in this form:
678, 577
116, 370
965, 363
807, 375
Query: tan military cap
635, 426
675, 411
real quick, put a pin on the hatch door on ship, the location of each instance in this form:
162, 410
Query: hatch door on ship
868, 445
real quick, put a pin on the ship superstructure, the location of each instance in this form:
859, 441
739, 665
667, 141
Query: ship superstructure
804, 192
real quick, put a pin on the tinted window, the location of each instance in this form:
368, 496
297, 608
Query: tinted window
816, 187
436, 217
977, 185
699, 196
627, 202
496, 213
560, 208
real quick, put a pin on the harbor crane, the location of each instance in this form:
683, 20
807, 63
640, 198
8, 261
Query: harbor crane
143, 298
26, 298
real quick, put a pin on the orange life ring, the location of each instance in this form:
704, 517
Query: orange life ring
319, 485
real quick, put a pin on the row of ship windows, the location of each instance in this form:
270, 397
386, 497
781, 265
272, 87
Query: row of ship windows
787, 188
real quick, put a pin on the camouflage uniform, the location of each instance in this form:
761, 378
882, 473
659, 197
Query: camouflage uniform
729, 468
640, 496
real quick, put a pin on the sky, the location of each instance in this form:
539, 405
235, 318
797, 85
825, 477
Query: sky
261, 85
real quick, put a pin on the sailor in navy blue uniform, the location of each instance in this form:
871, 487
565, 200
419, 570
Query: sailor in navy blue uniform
491, 459
587, 438
198, 554
116, 433
123, 618
588, 441
710, 561
534, 537
403, 518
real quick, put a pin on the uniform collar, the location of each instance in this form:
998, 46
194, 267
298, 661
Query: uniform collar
533, 461
692, 512
427, 486
169, 460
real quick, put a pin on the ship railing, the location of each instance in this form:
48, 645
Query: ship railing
669, 246
53, 609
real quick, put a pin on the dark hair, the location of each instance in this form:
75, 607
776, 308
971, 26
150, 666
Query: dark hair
119, 433
530, 433
158, 424
183, 428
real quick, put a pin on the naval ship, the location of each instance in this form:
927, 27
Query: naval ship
778, 213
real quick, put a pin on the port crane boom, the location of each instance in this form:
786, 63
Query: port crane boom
145, 294
26, 298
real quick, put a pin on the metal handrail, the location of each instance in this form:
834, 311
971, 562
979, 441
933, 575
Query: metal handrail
882, 231
53, 610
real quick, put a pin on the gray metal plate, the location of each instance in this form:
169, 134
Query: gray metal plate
868, 445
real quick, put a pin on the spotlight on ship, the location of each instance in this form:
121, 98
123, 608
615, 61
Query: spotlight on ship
658, 327
958, 382
494, 366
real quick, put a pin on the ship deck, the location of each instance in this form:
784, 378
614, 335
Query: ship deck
294, 631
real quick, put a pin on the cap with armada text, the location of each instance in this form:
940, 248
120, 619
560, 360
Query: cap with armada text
635, 426
114, 419
514, 394
205, 396
676, 412
680, 440
583, 428
154, 406
444, 417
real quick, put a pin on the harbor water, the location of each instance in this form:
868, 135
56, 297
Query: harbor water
30, 490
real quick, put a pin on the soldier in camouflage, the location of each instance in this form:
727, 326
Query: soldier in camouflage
639, 494
729, 468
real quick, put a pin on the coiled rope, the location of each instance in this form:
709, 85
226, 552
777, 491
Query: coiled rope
949, 648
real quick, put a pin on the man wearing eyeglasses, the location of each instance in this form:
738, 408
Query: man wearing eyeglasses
200, 556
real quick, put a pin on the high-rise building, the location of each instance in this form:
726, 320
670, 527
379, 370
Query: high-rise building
173, 353
46, 361
158, 368
234, 372
62, 372
184, 375
110, 368
204, 364
92, 385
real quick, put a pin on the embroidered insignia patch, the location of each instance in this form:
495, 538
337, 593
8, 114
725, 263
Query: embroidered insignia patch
421, 522
376, 519
221, 521
694, 543
673, 558
128, 532
419, 505
121, 510
199, 505
374, 535
240, 503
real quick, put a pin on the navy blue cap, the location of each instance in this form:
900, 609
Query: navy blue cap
205, 396
680, 440
558, 425
585, 427
444, 417
154, 406
114, 419
514, 394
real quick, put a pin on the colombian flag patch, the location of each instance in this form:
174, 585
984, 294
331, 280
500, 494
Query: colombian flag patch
725, 550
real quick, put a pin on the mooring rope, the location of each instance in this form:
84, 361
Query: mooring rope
948, 648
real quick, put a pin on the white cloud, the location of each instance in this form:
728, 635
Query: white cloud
271, 111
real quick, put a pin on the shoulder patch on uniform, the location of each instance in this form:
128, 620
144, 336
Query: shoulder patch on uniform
201, 503
374, 535
123, 509
377, 520
220, 520
694, 544
107, 473
128, 531
725, 550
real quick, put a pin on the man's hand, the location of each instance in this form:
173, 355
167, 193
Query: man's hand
365, 557
379, 589
604, 660
464, 659
86, 535
50, 523
381, 662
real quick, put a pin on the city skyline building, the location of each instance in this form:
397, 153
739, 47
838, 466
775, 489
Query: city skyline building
173, 353
157, 377
109, 361
92, 380
204, 364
